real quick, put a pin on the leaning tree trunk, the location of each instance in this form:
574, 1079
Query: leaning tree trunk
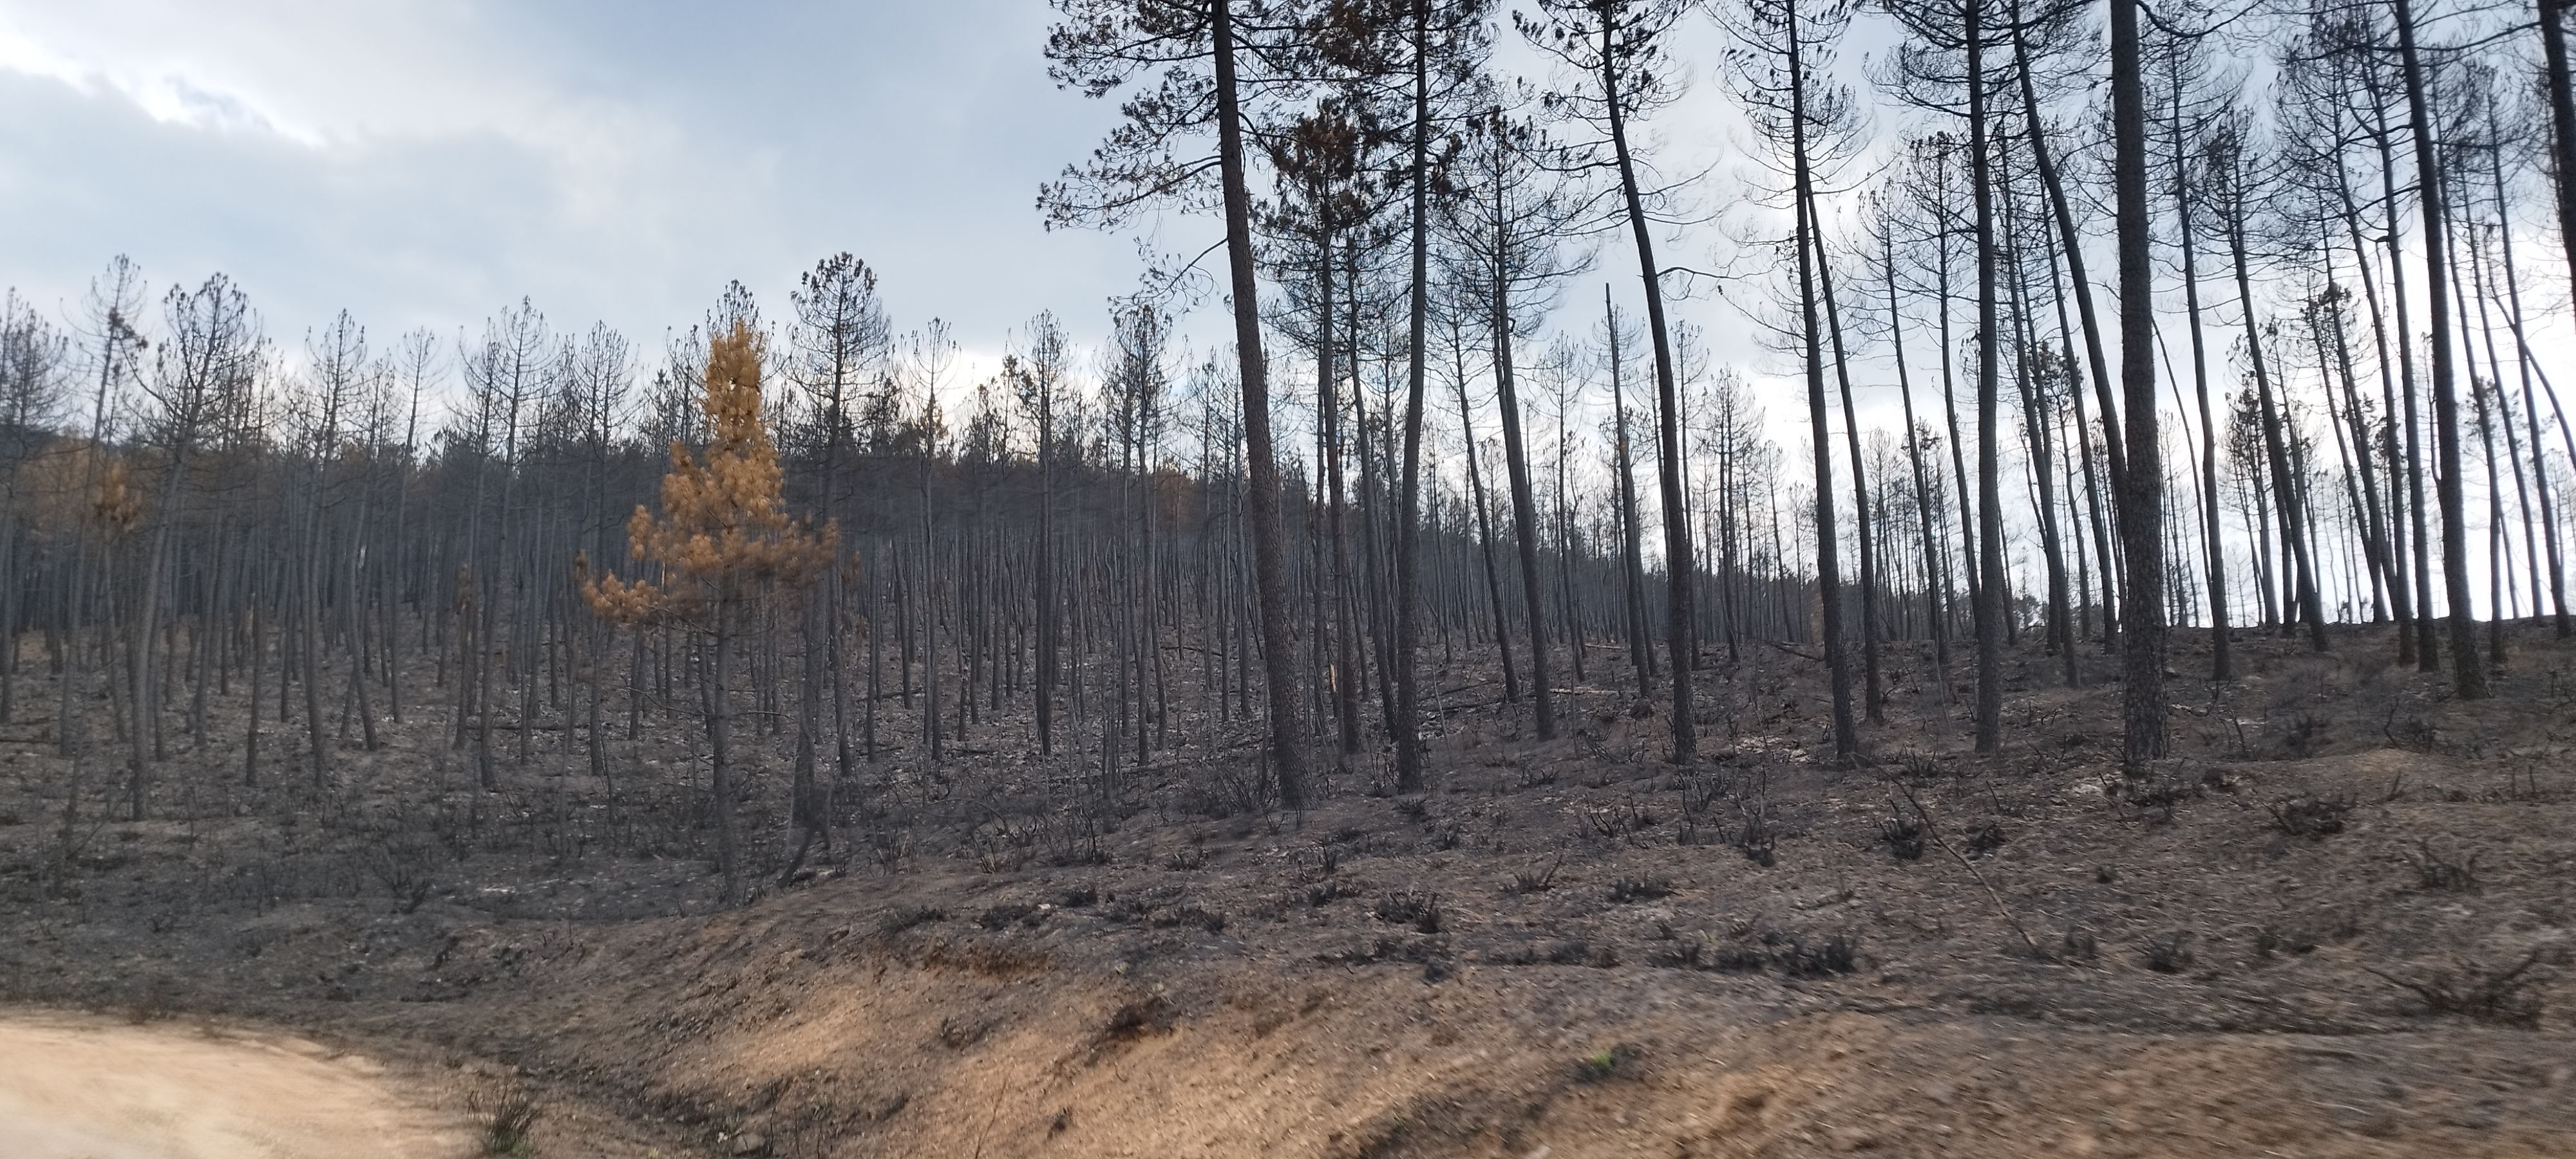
1484, 524
1874, 688
2562, 121
1268, 565
1678, 561
2221, 666
1828, 542
2294, 516
1524, 505
1936, 574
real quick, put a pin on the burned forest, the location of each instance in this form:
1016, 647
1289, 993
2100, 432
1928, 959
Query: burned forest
1606, 577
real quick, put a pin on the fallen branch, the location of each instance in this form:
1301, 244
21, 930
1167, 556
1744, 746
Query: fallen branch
1933, 831
1795, 652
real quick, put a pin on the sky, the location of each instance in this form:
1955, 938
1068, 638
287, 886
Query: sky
426, 162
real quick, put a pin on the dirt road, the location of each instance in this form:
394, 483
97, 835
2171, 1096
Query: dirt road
80, 1088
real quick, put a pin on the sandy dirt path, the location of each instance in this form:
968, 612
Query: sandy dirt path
81, 1088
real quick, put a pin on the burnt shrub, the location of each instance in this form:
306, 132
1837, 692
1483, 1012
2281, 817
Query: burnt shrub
1530, 881
1003, 915
1610, 824
2407, 728
2312, 817
403, 868
1757, 839
2269, 942
1408, 908
2168, 952
906, 917
2152, 799
1191, 915
2305, 736
1628, 889
2505, 995
2442, 873
1720, 957
1903, 835
1834, 955
1578, 952
1148, 1016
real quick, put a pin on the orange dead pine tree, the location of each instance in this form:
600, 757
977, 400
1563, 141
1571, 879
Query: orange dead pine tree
725, 545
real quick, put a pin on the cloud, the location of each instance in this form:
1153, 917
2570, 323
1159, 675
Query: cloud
423, 162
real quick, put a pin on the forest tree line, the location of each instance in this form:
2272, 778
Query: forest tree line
2240, 323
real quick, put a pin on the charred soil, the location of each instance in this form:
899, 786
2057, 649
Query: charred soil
2337, 923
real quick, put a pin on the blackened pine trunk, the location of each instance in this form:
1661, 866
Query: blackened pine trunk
353, 611
1936, 574
809, 802
1632, 555
2037, 428
1811, 341
1048, 649
2480, 270
2221, 664
2428, 649
876, 652
1345, 649
1990, 498
2482, 398
1678, 562
1484, 523
2285, 481
1269, 567
2468, 672
1574, 628
2082, 455
1408, 550
1950, 419
2070, 244
146, 709
2393, 538
2336, 351
1372, 548
719, 702
311, 633
250, 726
1524, 504
1874, 695
2562, 121
2531, 412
